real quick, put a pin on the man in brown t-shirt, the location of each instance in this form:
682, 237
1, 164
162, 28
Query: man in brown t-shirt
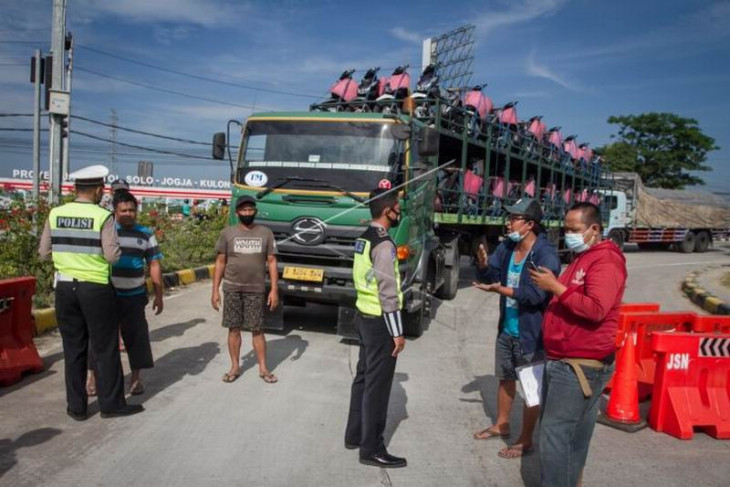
244, 252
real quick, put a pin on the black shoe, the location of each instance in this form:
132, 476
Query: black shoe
351, 446
77, 416
384, 460
127, 410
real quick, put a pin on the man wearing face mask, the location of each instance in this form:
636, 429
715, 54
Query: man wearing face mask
579, 332
521, 307
380, 329
82, 240
245, 251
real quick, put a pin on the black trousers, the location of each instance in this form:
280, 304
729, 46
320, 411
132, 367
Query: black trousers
86, 317
371, 387
130, 311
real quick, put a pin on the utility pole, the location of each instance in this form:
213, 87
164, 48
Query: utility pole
69, 45
37, 59
58, 34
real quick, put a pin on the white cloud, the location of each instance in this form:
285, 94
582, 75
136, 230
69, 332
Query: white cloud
406, 35
170, 35
520, 11
207, 13
543, 71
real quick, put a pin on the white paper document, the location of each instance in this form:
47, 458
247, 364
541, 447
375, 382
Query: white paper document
530, 386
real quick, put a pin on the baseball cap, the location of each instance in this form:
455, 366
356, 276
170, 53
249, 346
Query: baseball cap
120, 184
245, 200
527, 207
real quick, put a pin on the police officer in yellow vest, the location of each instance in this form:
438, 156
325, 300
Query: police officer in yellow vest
380, 328
81, 238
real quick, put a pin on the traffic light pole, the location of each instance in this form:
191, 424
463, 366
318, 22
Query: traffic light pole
58, 35
37, 127
67, 136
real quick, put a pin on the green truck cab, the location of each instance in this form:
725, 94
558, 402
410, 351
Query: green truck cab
311, 173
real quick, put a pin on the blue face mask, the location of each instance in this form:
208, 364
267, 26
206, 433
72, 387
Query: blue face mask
515, 236
575, 242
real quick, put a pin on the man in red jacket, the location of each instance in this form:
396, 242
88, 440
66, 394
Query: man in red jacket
579, 335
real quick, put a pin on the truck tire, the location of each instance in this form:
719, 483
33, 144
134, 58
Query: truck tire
451, 277
687, 246
618, 238
702, 242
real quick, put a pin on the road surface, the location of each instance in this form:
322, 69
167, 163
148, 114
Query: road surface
198, 431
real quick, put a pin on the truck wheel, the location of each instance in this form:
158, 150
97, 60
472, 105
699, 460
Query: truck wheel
413, 323
618, 238
687, 246
702, 242
451, 277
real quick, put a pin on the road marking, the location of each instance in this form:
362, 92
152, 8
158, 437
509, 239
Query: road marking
674, 264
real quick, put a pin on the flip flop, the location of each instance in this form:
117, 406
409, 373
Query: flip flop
136, 389
515, 451
269, 378
488, 434
228, 378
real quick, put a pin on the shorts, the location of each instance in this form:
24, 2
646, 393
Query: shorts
509, 355
243, 310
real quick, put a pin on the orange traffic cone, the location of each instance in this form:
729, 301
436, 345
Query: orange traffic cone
622, 411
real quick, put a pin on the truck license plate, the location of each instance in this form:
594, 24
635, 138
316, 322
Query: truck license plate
303, 274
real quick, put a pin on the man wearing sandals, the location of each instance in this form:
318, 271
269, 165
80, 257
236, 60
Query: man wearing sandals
521, 306
579, 332
139, 248
245, 251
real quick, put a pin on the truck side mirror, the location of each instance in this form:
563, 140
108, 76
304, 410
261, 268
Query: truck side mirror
219, 146
429, 143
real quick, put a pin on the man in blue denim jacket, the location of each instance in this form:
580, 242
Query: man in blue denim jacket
521, 307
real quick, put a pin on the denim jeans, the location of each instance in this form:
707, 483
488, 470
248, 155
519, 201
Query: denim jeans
567, 419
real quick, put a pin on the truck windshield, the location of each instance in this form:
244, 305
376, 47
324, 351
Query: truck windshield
352, 155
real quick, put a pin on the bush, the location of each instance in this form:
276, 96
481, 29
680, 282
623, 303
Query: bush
184, 243
19, 247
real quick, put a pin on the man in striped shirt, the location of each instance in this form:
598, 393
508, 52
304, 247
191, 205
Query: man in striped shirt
139, 247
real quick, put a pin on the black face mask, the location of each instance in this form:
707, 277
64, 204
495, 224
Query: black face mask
394, 222
246, 219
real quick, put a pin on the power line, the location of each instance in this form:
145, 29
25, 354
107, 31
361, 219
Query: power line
16, 114
164, 90
20, 130
22, 42
84, 134
141, 132
195, 76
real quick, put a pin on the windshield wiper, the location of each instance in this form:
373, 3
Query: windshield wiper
320, 183
327, 184
282, 182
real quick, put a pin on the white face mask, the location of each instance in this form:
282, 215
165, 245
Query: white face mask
576, 242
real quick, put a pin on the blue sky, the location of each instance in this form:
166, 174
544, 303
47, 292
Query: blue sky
575, 62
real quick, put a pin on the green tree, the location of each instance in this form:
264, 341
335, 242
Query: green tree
661, 147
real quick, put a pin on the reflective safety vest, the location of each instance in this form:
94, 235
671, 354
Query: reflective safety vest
76, 241
368, 300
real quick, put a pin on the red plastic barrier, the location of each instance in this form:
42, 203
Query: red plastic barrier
712, 324
17, 351
639, 308
692, 387
644, 325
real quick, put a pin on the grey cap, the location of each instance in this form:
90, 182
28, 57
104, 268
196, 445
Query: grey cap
120, 184
527, 207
